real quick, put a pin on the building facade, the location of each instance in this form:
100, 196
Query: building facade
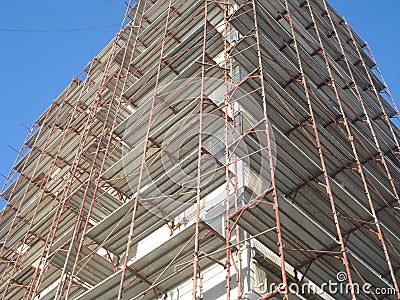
212, 150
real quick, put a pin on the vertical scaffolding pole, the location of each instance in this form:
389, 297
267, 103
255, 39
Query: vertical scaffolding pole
103, 135
229, 130
145, 148
270, 157
82, 148
327, 185
350, 137
106, 152
196, 267
258, 74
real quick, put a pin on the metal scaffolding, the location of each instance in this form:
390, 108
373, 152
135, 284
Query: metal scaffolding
212, 150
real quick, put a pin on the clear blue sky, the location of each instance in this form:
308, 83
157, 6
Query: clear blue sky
36, 66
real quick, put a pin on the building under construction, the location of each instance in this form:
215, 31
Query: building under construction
214, 149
